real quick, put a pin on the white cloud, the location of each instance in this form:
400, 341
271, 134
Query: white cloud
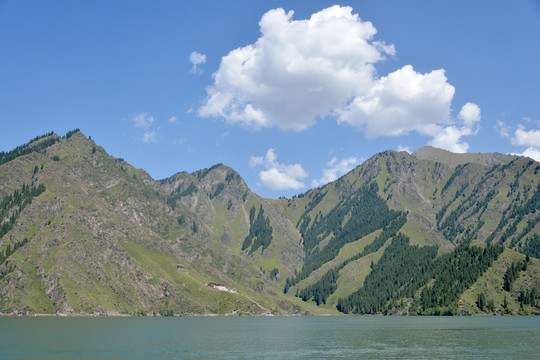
143, 120
523, 137
173, 119
335, 169
196, 59
450, 137
469, 114
401, 102
299, 70
503, 129
533, 153
278, 176
404, 148
275, 179
149, 137
255, 161
526, 138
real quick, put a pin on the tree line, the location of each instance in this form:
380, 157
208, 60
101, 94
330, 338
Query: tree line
13, 204
29, 147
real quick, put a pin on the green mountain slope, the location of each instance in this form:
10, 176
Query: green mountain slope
103, 238
82, 232
436, 200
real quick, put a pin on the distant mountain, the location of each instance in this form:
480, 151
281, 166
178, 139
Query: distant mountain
82, 232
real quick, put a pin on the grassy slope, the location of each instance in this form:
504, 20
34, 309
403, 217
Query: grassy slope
491, 285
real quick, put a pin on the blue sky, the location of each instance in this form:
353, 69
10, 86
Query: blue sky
291, 94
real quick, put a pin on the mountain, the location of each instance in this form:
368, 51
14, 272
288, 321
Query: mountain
434, 222
82, 232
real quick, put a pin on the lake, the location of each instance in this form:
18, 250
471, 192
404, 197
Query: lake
352, 337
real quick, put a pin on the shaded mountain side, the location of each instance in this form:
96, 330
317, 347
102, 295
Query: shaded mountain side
82, 232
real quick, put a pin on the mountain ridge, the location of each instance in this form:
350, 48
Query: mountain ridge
101, 237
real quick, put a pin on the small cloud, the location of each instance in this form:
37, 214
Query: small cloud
149, 137
450, 137
469, 114
523, 137
404, 148
173, 119
278, 176
197, 59
255, 161
144, 120
335, 169
503, 129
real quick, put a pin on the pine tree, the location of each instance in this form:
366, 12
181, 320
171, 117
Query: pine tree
481, 301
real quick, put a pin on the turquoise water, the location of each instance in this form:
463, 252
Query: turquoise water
271, 338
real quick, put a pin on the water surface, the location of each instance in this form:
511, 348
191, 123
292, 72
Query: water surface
369, 337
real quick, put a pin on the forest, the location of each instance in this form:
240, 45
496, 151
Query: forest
260, 231
365, 211
11, 207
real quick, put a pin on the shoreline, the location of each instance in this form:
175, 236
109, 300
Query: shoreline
120, 315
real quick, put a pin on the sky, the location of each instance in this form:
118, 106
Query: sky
291, 94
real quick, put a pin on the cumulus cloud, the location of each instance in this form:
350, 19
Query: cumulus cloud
335, 169
196, 59
401, 102
450, 137
278, 176
523, 137
296, 71
300, 70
